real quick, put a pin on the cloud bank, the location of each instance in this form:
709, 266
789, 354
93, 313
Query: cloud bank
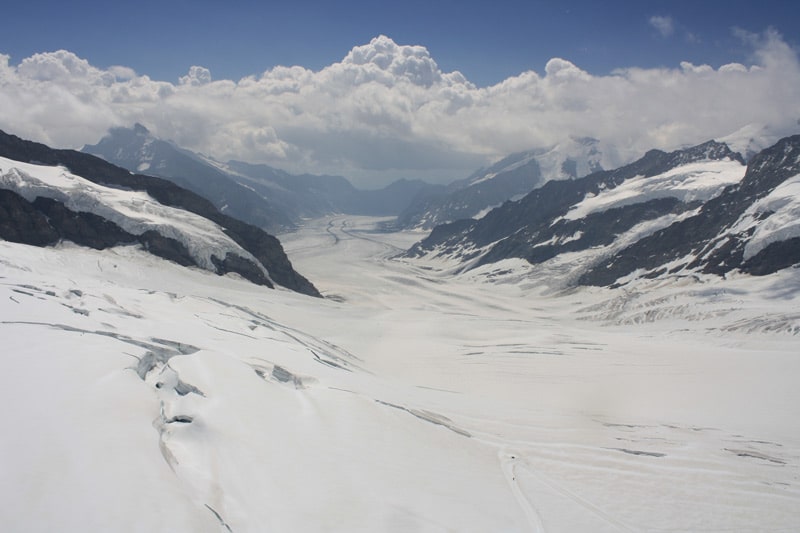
387, 111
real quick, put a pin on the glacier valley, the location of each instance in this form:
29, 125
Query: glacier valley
142, 396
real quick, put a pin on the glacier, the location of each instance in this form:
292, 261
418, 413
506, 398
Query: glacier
144, 396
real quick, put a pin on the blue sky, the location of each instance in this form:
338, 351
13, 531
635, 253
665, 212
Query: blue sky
417, 89
486, 41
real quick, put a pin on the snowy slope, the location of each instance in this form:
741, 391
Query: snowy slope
135, 212
175, 402
145, 397
571, 158
774, 218
749, 227
693, 182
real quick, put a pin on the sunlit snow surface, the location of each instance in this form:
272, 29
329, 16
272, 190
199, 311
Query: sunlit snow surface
134, 211
692, 182
781, 208
406, 401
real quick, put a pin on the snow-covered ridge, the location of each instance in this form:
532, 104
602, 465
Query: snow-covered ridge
509, 179
779, 216
583, 155
521, 160
134, 211
692, 182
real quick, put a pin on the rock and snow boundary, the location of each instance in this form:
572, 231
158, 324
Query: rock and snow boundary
134, 211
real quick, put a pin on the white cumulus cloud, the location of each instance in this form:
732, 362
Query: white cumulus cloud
196, 76
387, 110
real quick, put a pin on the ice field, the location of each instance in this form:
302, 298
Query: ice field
142, 396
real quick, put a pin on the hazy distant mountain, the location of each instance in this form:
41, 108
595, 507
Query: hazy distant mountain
138, 151
510, 178
47, 196
309, 195
753, 138
693, 210
259, 194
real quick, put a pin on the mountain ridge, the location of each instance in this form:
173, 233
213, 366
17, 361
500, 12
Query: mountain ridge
510, 178
710, 236
693, 210
256, 193
264, 248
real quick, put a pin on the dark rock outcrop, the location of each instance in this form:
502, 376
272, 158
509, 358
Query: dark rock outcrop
21, 222
84, 229
45, 222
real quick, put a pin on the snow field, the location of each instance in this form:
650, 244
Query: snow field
407, 400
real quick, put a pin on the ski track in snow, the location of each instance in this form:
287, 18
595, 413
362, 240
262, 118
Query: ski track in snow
508, 464
408, 400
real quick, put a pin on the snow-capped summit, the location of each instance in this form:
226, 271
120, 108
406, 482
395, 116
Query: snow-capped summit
753, 138
510, 178
135, 147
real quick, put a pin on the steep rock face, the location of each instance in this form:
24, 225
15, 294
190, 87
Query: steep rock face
85, 229
21, 222
724, 235
540, 226
70, 225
